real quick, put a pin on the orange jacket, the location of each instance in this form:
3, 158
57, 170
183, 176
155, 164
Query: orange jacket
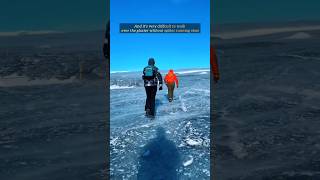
214, 64
171, 78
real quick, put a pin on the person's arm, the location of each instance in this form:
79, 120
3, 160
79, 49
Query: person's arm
143, 73
159, 77
214, 65
177, 81
165, 79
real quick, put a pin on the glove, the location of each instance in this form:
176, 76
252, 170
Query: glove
160, 88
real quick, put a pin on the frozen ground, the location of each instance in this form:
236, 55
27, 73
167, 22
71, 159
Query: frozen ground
268, 107
53, 131
174, 145
52, 126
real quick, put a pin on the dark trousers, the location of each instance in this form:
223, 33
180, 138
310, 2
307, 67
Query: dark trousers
151, 92
170, 87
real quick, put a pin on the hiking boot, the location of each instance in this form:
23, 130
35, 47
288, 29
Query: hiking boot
148, 112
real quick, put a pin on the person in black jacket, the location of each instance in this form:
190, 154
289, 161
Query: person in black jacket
151, 77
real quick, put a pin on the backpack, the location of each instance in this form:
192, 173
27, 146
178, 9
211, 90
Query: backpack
149, 72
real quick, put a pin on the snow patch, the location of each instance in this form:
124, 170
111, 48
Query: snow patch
194, 142
113, 87
203, 73
206, 171
183, 106
193, 71
202, 90
188, 162
113, 72
299, 35
114, 141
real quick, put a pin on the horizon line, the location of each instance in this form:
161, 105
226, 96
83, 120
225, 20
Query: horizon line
41, 32
180, 69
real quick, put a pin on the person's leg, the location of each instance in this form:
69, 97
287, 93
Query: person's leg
153, 100
172, 93
145, 106
148, 100
170, 89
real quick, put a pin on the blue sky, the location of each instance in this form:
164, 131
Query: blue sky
131, 51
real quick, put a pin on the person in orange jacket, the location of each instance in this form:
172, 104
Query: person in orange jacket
214, 64
171, 80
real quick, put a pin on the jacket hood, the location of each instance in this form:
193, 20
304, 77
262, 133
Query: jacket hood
170, 71
151, 61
